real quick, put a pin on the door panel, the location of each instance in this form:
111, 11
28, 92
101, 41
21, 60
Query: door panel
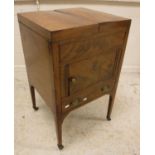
81, 74
89, 71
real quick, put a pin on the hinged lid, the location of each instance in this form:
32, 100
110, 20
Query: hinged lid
66, 23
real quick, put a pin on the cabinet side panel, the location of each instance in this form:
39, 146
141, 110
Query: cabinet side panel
38, 64
122, 50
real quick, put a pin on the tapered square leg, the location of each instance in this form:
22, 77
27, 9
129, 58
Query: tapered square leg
32, 91
59, 135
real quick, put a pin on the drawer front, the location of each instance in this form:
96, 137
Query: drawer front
70, 52
79, 75
87, 95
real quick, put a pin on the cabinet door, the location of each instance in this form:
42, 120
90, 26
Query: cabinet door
85, 73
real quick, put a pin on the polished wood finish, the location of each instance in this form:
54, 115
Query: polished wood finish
72, 56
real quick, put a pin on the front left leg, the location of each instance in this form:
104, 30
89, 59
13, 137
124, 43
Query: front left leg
59, 134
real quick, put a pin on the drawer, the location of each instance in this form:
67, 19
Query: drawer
79, 75
72, 51
87, 95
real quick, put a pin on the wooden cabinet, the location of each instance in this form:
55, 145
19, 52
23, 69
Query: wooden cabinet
72, 56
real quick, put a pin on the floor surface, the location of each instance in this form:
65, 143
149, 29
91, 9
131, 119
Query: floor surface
86, 130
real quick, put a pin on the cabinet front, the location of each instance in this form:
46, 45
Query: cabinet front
85, 63
80, 75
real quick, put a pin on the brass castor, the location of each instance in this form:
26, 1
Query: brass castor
36, 108
108, 118
60, 146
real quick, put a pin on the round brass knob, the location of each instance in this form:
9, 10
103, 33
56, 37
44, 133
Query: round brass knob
73, 80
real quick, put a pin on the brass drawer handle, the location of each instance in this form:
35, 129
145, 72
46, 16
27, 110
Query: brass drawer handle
78, 101
105, 88
73, 103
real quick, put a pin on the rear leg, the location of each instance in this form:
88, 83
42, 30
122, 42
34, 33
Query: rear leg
32, 91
